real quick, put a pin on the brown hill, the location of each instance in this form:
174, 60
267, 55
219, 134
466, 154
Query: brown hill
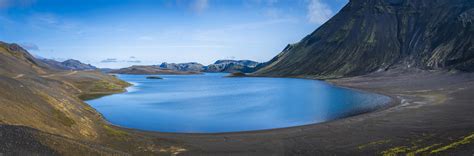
41, 112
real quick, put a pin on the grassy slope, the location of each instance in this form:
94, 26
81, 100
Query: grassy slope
44, 104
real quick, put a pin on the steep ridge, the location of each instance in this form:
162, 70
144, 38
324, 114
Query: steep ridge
377, 35
16, 60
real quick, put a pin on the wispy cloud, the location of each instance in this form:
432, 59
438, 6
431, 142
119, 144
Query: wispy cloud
318, 12
29, 46
250, 3
272, 12
219, 34
109, 60
131, 59
134, 61
199, 5
52, 21
44, 18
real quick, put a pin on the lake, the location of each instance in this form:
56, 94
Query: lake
212, 103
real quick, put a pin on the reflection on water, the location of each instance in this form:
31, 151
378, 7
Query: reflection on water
212, 103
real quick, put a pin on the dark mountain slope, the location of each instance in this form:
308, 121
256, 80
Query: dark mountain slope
372, 35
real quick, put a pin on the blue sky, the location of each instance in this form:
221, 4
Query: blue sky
120, 33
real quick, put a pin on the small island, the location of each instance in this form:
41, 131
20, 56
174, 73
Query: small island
154, 77
237, 74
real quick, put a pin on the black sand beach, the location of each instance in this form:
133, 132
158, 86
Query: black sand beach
432, 114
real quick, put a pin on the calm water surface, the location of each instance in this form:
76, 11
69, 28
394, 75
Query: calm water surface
212, 103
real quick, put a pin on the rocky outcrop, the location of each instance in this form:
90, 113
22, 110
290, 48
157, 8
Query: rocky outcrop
376, 35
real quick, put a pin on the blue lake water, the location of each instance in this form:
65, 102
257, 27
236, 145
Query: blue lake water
211, 103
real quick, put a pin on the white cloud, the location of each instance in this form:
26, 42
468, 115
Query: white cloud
109, 60
318, 12
272, 13
29, 46
200, 5
49, 19
223, 34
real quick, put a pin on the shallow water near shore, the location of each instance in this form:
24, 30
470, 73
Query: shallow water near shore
212, 103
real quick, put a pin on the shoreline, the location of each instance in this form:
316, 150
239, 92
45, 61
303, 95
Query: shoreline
396, 126
393, 101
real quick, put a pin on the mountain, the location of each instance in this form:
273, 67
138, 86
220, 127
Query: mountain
377, 35
42, 113
191, 66
153, 69
77, 65
33, 95
249, 63
70, 64
229, 66
14, 59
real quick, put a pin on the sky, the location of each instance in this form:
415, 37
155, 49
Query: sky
120, 33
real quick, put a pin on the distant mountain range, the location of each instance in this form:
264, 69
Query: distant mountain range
153, 69
70, 64
377, 35
229, 66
